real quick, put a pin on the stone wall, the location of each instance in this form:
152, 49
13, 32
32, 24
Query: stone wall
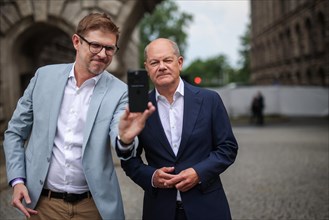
38, 32
289, 42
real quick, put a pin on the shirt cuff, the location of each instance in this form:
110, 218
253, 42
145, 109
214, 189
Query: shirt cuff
16, 181
125, 148
152, 179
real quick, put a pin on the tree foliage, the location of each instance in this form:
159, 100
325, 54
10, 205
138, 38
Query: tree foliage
214, 71
168, 22
243, 73
165, 21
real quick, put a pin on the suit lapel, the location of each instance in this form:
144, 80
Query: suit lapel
155, 127
192, 105
96, 100
56, 102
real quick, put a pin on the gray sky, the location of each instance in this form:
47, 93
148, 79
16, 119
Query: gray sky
216, 28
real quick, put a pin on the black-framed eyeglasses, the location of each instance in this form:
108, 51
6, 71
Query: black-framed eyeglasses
95, 47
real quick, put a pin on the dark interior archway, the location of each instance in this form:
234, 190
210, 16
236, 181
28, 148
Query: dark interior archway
40, 45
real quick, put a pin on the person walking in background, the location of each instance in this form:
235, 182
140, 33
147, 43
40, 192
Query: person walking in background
260, 108
69, 116
257, 109
253, 109
188, 143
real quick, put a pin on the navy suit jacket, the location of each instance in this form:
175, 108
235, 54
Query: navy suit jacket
207, 145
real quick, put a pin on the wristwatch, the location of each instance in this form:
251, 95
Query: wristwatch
122, 143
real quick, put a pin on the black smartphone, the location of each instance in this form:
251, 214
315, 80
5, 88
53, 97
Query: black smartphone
138, 89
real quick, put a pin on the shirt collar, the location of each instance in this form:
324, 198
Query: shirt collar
179, 91
95, 78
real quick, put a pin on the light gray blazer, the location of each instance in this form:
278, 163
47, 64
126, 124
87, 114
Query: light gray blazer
30, 136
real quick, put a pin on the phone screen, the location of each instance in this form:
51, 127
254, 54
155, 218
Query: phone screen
138, 89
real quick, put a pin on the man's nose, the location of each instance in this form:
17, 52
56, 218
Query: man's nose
162, 65
102, 52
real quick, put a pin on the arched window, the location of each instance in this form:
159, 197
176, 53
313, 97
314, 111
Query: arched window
308, 34
288, 44
298, 44
321, 31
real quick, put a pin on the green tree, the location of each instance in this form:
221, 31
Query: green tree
165, 21
243, 72
214, 71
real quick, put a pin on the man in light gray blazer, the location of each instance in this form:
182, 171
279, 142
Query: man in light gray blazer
57, 144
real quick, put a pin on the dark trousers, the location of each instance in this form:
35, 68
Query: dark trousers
180, 212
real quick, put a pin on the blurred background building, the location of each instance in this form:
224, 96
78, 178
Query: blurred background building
289, 42
289, 46
36, 33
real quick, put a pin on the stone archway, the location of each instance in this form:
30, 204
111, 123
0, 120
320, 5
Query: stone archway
35, 33
39, 45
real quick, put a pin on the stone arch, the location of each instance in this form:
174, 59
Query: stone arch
31, 32
41, 44
23, 49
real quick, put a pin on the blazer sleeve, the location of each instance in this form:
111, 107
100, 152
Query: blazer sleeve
224, 145
138, 171
18, 131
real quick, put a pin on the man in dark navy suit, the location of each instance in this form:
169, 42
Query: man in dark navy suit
188, 142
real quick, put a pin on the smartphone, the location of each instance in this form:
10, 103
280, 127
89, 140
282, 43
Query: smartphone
138, 89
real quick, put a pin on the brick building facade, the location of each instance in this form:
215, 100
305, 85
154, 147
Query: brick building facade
290, 42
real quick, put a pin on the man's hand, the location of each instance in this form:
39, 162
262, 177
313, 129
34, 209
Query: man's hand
20, 193
132, 123
161, 177
185, 180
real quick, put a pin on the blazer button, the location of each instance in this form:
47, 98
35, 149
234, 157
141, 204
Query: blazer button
48, 159
41, 182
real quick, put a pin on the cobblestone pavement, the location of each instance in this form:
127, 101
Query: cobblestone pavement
281, 172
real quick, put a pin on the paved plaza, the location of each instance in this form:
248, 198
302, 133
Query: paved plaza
281, 173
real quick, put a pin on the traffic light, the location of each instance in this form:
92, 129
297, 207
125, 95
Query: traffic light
197, 80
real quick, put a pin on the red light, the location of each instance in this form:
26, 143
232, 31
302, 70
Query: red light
197, 80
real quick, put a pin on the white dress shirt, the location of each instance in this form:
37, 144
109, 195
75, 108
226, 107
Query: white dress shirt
171, 116
66, 172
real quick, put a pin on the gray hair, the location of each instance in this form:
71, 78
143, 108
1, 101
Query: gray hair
173, 44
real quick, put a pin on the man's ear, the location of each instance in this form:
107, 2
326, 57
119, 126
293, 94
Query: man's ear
180, 62
75, 41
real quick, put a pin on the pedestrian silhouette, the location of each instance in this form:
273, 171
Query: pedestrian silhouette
257, 108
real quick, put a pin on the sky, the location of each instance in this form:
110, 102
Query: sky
216, 28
